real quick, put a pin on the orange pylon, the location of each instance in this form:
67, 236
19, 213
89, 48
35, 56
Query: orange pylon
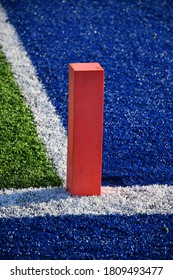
85, 128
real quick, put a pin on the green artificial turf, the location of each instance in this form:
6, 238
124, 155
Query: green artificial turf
23, 158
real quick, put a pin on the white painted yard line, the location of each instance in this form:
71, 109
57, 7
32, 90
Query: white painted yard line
48, 123
152, 199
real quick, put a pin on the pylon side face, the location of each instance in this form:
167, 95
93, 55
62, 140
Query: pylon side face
85, 128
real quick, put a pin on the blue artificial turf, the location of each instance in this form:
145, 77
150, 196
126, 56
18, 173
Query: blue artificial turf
87, 237
132, 40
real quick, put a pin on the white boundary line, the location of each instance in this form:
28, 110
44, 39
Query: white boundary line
48, 123
152, 199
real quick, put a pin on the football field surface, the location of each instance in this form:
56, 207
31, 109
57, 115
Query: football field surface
132, 42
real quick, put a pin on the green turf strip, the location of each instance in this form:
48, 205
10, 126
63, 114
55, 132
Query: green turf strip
23, 158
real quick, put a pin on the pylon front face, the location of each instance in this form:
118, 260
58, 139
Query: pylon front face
85, 128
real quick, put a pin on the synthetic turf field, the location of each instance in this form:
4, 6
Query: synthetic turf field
132, 41
23, 158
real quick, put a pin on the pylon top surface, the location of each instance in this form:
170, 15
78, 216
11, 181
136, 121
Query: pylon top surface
91, 66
